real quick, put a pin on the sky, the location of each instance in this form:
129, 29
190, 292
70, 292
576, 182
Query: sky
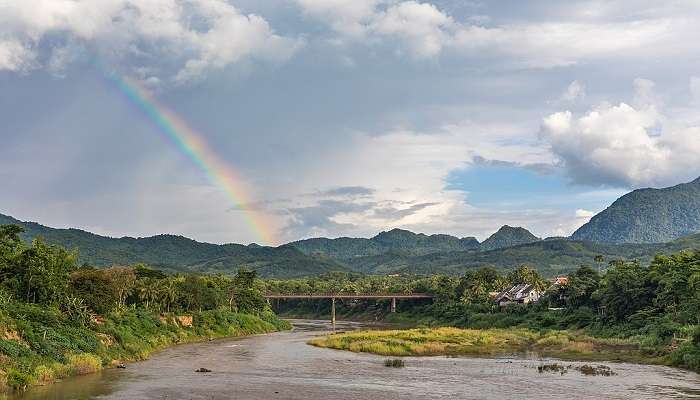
344, 117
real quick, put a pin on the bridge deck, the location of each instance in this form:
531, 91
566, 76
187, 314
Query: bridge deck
350, 296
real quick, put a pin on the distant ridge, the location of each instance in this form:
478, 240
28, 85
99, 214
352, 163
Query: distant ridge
394, 241
509, 236
647, 216
178, 253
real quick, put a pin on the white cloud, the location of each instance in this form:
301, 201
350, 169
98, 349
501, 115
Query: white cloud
551, 44
347, 17
421, 27
14, 56
574, 92
624, 145
185, 38
562, 40
406, 172
580, 213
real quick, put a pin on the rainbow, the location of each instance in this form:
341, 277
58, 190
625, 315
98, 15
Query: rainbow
194, 146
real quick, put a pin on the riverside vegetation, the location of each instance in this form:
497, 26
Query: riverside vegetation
627, 311
58, 319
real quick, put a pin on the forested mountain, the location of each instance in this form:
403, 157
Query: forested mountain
177, 253
393, 241
550, 257
395, 251
647, 216
509, 236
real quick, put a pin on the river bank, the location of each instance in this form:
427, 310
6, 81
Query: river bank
39, 346
282, 366
566, 345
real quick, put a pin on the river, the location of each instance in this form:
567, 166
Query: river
283, 366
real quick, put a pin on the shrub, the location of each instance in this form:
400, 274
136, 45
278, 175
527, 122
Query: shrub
394, 363
17, 380
3, 382
85, 363
13, 348
44, 375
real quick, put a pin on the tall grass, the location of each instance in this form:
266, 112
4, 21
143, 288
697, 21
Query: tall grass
454, 341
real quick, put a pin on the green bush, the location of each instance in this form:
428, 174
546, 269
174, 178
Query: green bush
13, 348
17, 380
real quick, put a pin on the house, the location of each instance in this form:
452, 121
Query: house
521, 294
560, 281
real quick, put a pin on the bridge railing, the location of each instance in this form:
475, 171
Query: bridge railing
350, 296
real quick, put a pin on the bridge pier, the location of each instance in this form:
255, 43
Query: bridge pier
333, 311
393, 304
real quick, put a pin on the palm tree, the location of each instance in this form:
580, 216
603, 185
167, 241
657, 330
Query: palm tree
599, 259
169, 292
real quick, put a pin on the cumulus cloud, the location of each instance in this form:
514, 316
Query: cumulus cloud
184, 38
421, 27
624, 145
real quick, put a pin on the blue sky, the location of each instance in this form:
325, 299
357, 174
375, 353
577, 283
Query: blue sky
346, 117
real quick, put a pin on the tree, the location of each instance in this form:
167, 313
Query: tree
624, 290
475, 286
581, 285
248, 297
123, 282
41, 273
528, 275
599, 260
95, 287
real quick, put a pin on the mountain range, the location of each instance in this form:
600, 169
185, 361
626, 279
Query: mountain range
639, 225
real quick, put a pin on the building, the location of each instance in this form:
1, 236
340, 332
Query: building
560, 281
520, 294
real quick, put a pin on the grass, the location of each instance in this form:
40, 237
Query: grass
39, 345
455, 341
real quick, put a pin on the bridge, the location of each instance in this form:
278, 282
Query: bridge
333, 296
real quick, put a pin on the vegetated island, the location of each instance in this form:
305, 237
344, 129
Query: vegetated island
621, 311
568, 345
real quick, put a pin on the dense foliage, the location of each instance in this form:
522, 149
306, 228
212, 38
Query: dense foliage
658, 306
58, 319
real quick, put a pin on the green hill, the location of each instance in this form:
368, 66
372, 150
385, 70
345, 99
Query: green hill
647, 216
509, 236
396, 251
394, 241
550, 257
177, 253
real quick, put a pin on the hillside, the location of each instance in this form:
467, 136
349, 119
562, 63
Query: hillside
396, 251
647, 216
394, 241
177, 253
508, 236
550, 257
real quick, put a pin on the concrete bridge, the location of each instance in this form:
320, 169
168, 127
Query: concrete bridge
333, 296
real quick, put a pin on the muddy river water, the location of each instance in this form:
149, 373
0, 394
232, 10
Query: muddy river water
283, 366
